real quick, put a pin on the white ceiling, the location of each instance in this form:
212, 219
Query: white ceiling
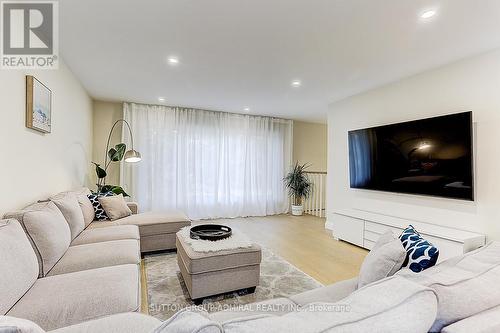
238, 53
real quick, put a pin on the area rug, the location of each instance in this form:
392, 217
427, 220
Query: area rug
167, 292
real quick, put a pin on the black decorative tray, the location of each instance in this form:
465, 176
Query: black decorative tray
212, 232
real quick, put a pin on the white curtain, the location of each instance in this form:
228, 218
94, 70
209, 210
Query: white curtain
205, 163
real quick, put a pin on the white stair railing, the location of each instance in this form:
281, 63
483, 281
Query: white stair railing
316, 203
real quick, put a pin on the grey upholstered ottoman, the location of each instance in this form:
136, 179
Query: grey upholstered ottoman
212, 273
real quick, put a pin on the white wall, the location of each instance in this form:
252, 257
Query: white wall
34, 165
471, 84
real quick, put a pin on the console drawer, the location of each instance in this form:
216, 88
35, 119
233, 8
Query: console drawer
348, 229
368, 244
371, 236
381, 228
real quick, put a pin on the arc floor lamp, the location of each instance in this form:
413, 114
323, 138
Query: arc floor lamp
132, 155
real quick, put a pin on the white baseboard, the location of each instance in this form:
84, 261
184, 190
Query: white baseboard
328, 225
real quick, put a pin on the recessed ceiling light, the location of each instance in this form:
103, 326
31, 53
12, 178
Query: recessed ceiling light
161, 99
173, 61
246, 109
296, 83
428, 14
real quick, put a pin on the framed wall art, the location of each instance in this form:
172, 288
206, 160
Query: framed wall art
38, 105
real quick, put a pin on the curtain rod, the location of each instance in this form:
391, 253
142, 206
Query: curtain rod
206, 110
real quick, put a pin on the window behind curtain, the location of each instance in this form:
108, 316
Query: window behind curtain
207, 164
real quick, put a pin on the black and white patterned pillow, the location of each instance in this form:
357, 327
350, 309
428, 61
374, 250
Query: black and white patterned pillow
421, 254
100, 213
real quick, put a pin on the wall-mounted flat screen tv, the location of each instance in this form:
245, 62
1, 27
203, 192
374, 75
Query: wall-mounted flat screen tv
429, 157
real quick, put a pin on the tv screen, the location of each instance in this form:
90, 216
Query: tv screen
429, 157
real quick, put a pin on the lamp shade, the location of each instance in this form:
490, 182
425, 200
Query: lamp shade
132, 156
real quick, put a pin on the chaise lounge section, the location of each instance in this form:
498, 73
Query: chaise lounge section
157, 229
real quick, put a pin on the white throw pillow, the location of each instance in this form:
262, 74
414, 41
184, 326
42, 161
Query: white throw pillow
115, 207
384, 260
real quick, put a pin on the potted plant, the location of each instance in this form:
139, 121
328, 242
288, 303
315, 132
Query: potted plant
299, 187
115, 154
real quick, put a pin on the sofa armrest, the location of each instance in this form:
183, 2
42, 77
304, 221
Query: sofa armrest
134, 207
328, 294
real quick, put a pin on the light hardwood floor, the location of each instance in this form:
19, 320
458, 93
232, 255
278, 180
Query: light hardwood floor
304, 242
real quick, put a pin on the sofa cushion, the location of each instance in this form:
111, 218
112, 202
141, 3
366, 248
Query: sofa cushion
276, 306
421, 254
48, 232
87, 209
401, 306
115, 207
191, 321
203, 262
97, 255
383, 239
384, 260
130, 322
463, 285
151, 223
485, 322
68, 299
18, 325
85, 204
18, 264
399, 302
70, 208
98, 235
328, 294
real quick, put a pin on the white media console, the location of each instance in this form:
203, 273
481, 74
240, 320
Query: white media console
363, 228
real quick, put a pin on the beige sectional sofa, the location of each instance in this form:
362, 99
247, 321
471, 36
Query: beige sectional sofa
71, 281
457, 296
59, 267
464, 298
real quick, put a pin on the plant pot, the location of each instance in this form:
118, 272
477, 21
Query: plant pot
297, 210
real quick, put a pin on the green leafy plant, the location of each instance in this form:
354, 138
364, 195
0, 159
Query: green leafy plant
298, 184
115, 154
